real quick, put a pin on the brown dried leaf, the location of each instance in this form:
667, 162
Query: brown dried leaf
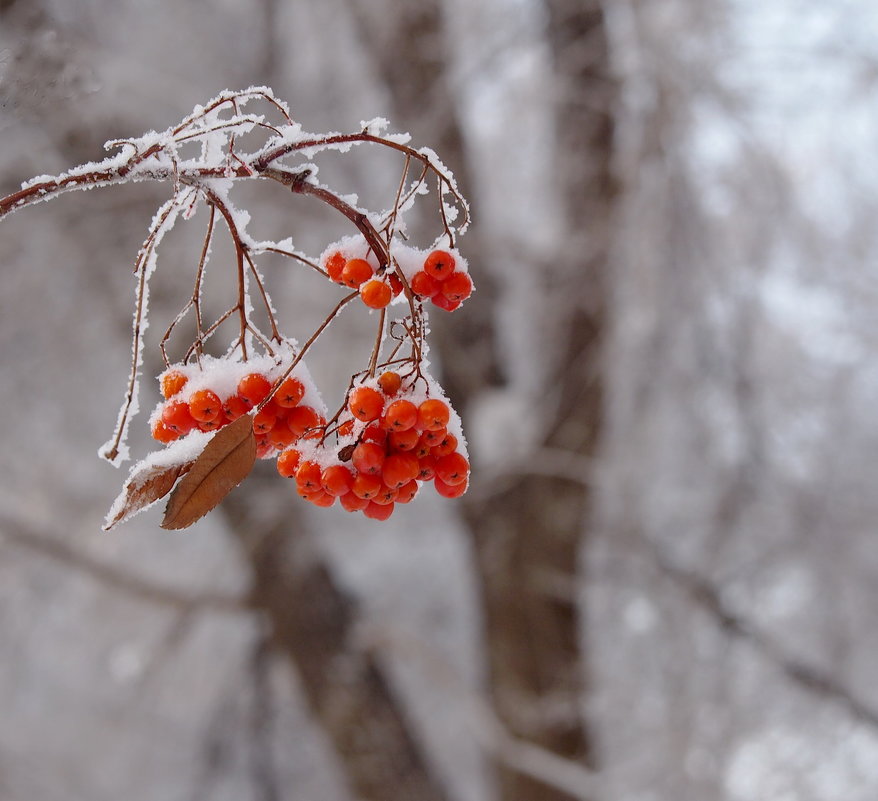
142, 489
223, 464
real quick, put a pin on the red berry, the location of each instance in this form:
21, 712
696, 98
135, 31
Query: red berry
321, 498
376, 294
366, 486
424, 285
264, 420
385, 495
368, 457
445, 303
172, 383
395, 283
374, 434
355, 272
288, 463
254, 388
280, 435
401, 415
352, 503
376, 511
446, 446
211, 425
389, 382
433, 414
431, 438
301, 419
450, 490
334, 265
399, 468
403, 440
162, 432
234, 406
452, 469
205, 405
439, 264
337, 480
426, 468
346, 428
289, 393
407, 492
308, 476
176, 416
366, 403
457, 287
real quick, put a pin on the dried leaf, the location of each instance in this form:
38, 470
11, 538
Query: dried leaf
223, 464
145, 485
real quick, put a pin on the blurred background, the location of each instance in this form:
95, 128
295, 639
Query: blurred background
663, 582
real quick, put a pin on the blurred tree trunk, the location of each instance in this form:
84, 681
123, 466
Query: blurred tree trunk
527, 538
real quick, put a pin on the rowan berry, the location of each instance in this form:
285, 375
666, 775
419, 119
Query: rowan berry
162, 432
446, 446
439, 264
374, 433
264, 419
368, 457
205, 405
355, 272
280, 435
288, 462
401, 415
337, 480
234, 406
376, 511
433, 414
424, 285
450, 490
389, 382
346, 428
457, 287
172, 383
352, 503
254, 388
385, 495
301, 419
308, 476
365, 403
211, 425
406, 493
452, 469
289, 393
376, 294
366, 486
318, 430
395, 283
399, 468
403, 440
321, 498
263, 447
431, 438
334, 265
426, 468
176, 416
445, 303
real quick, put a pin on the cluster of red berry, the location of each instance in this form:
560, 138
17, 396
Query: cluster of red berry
438, 277
281, 421
390, 441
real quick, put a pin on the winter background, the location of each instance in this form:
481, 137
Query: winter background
663, 583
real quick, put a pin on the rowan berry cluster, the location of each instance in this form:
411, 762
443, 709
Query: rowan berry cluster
209, 397
389, 439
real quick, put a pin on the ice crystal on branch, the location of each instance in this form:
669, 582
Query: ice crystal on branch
394, 430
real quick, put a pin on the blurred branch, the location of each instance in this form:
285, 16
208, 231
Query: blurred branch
808, 677
16, 533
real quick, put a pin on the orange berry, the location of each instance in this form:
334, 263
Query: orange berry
450, 490
452, 469
334, 265
254, 388
399, 468
301, 419
374, 434
288, 462
355, 272
366, 486
424, 285
431, 437
376, 511
337, 480
318, 429
365, 403
457, 287
385, 495
439, 264
289, 393
205, 405
406, 493
352, 503
234, 406
389, 382
176, 416
346, 428
395, 283
376, 294
212, 425
426, 468
401, 415
162, 432
404, 440
263, 447
445, 303
308, 477
172, 383
446, 446
264, 420
280, 435
433, 414
368, 457
321, 498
